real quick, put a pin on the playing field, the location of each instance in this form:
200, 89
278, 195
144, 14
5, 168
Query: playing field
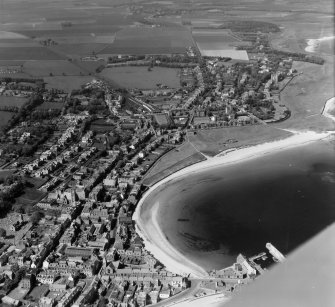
139, 77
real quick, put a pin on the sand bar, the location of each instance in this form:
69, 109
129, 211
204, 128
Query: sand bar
149, 230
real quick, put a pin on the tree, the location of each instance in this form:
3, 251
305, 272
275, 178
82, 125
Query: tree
2, 233
36, 217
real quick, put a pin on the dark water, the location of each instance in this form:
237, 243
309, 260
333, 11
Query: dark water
284, 198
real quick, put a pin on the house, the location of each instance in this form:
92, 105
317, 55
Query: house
165, 293
46, 302
27, 282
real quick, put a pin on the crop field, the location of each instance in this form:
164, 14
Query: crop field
45, 68
10, 101
79, 49
139, 76
28, 53
150, 41
84, 39
67, 83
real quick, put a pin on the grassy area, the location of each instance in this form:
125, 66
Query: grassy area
306, 95
186, 155
28, 53
5, 117
140, 77
67, 83
160, 40
50, 105
6, 173
30, 197
11, 101
213, 141
79, 49
45, 68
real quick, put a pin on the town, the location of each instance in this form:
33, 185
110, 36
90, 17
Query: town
77, 168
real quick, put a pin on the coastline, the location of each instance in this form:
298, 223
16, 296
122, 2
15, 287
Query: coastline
313, 43
148, 229
329, 106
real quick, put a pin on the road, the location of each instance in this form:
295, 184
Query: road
180, 297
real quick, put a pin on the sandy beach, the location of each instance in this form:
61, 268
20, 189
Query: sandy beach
147, 227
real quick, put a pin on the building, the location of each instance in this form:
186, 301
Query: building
46, 302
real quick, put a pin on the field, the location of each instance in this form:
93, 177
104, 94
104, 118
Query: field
306, 95
30, 197
213, 141
218, 42
148, 40
6, 173
10, 101
211, 38
28, 53
56, 68
140, 77
79, 49
50, 105
67, 83
171, 162
5, 117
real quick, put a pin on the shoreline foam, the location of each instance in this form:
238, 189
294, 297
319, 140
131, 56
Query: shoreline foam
154, 239
329, 106
313, 43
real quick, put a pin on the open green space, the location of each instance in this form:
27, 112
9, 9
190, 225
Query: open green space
12, 101
67, 83
150, 40
5, 117
306, 95
140, 77
28, 53
173, 161
46, 105
44, 68
213, 141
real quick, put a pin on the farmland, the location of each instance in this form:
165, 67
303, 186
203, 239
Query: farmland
148, 40
139, 77
47, 68
28, 53
79, 49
